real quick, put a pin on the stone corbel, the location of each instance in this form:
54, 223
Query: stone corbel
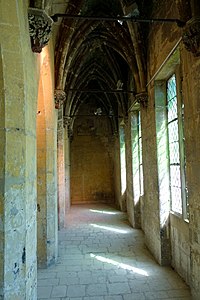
40, 27
59, 97
142, 98
191, 36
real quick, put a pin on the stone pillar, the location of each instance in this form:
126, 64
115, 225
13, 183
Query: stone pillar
61, 170
150, 209
117, 171
134, 135
46, 166
67, 164
18, 91
129, 171
163, 176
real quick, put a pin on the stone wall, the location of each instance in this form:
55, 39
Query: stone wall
185, 245
151, 223
180, 247
191, 94
18, 104
91, 159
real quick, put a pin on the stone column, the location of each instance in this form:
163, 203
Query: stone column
46, 166
67, 163
163, 176
129, 171
134, 135
61, 170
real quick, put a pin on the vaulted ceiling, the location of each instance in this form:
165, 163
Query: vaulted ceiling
100, 59
97, 58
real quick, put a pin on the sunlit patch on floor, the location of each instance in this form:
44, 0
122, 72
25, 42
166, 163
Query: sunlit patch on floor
118, 264
104, 212
109, 228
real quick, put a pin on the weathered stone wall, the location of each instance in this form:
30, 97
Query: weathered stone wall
91, 159
180, 247
151, 224
161, 40
191, 95
18, 104
185, 244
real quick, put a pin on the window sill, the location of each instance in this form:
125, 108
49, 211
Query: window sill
180, 216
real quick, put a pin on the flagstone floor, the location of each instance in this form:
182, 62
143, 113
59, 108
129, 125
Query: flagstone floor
102, 258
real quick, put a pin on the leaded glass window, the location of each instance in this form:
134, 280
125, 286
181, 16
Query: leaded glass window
140, 154
174, 147
122, 159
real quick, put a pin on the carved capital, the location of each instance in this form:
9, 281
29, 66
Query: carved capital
67, 121
191, 36
142, 98
59, 97
40, 26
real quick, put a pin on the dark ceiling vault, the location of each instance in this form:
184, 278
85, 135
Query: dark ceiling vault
97, 55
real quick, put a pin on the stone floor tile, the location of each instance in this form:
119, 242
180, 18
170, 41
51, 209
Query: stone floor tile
156, 295
115, 297
45, 275
118, 288
134, 296
68, 280
48, 282
98, 289
54, 299
94, 298
76, 290
44, 292
59, 291
117, 278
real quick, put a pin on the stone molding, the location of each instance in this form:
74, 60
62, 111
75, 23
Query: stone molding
59, 97
142, 98
40, 27
191, 36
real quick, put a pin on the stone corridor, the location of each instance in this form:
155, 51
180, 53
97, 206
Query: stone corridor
102, 258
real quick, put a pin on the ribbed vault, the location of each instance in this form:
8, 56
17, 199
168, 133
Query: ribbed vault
94, 58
